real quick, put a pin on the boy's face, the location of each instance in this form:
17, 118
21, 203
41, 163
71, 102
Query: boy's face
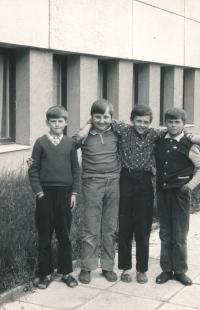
141, 123
101, 122
174, 126
57, 125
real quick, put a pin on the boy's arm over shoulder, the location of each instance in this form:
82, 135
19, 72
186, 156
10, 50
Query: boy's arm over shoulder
193, 138
83, 133
120, 126
194, 156
158, 133
74, 167
34, 168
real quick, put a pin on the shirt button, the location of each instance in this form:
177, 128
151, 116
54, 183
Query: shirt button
164, 184
170, 140
166, 162
165, 173
167, 151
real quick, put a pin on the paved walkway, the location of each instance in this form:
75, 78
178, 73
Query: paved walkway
100, 294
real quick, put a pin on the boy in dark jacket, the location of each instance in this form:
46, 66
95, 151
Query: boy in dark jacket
176, 160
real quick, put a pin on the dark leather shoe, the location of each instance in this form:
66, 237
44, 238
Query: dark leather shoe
110, 276
183, 279
84, 277
164, 277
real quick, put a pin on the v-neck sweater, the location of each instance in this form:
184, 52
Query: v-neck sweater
54, 165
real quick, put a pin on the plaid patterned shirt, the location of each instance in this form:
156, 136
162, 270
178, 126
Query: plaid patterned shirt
54, 139
137, 151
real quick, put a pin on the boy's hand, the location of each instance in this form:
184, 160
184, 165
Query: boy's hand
73, 202
185, 189
83, 133
29, 161
195, 139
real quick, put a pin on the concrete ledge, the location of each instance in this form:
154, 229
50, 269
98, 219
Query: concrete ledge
5, 148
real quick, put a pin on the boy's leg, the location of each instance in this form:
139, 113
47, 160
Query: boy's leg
166, 231
45, 226
62, 200
93, 193
109, 223
125, 221
143, 197
180, 222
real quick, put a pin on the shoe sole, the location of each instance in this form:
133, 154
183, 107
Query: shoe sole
142, 282
189, 284
109, 280
158, 282
70, 282
127, 279
84, 282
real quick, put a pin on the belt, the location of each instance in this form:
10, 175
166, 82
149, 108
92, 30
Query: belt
137, 171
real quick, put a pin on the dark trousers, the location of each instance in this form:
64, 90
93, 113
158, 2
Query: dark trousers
53, 213
135, 216
174, 212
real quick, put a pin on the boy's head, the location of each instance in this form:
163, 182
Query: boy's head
141, 118
56, 119
57, 112
175, 119
101, 106
101, 112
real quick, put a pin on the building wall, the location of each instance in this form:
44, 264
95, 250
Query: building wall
152, 33
150, 30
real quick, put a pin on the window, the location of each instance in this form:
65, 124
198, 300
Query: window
60, 81
7, 97
188, 93
162, 96
102, 79
135, 83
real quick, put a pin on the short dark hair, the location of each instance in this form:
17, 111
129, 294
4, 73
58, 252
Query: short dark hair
57, 112
141, 110
174, 113
100, 106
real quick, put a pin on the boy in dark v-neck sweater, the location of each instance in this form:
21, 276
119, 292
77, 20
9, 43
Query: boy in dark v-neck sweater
54, 178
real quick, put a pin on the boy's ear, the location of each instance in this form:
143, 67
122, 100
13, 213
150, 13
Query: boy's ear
47, 122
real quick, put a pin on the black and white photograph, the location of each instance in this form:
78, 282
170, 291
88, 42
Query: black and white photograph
99, 154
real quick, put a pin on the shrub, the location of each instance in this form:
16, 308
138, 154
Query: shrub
18, 235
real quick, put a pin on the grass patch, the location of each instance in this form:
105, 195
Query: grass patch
18, 235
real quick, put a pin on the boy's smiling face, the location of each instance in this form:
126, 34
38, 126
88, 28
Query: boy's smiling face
141, 123
57, 125
174, 126
101, 122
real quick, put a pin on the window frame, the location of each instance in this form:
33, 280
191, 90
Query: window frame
11, 54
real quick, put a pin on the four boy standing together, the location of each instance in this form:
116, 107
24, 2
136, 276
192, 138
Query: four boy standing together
101, 193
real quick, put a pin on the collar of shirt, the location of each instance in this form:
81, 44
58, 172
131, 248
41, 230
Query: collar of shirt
53, 137
95, 133
177, 138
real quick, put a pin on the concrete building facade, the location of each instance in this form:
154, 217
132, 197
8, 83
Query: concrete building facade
73, 52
